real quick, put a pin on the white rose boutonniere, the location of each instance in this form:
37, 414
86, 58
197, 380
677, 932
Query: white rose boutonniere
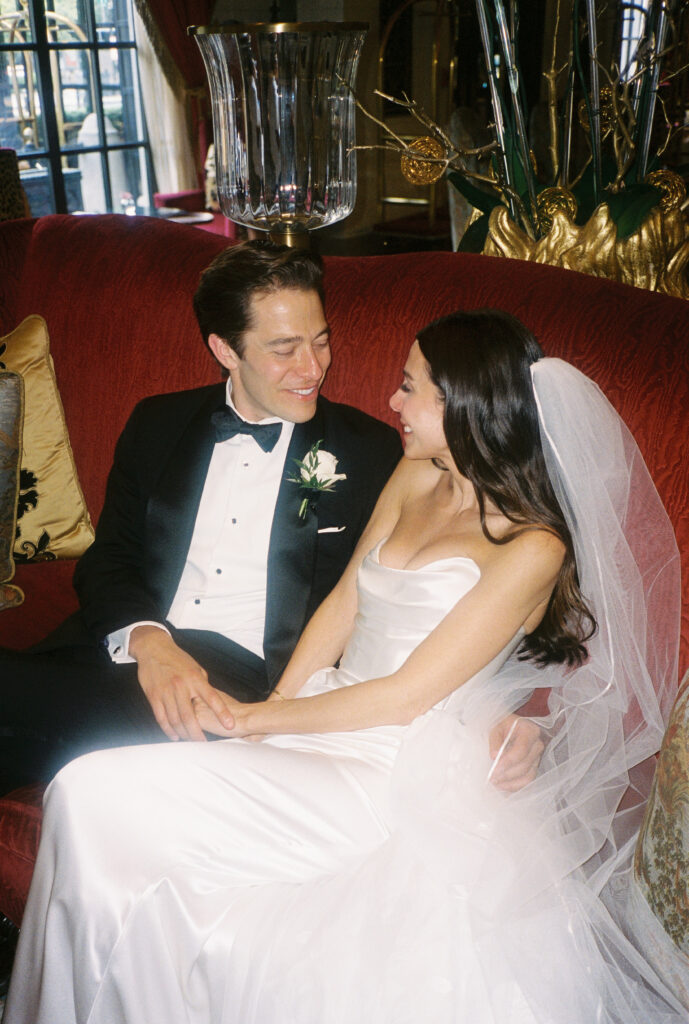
317, 472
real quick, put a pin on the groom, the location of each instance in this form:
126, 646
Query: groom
206, 567
209, 559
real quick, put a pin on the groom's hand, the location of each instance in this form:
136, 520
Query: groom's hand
516, 747
172, 680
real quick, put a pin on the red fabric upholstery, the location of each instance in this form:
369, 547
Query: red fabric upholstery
20, 829
191, 199
116, 294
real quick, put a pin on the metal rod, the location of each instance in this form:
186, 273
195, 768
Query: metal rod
646, 123
513, 81
486, 40
594, 112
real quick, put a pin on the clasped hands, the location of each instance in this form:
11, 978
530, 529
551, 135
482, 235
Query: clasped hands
515, 742
187, 707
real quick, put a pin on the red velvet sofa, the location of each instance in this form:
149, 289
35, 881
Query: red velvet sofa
116, 294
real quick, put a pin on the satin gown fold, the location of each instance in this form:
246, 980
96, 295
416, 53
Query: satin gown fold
287, 881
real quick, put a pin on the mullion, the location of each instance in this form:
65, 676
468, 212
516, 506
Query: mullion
48, 104
32, 45
90, 19
77, 150
100, 114
86, 46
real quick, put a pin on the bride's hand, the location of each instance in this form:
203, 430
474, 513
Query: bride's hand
518, 762
209, 721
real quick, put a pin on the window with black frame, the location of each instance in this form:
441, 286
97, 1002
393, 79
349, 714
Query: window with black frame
70, 105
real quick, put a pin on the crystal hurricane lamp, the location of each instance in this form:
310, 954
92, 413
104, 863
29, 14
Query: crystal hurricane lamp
283, 122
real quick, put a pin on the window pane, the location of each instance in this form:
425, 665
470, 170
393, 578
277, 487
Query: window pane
121, 100
67, 21
21, 120
15, 24
112, 21
38, 185
93, 192
74, 96
71, 173
129, 177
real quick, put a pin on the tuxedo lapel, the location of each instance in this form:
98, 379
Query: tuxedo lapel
291, 556
175, 499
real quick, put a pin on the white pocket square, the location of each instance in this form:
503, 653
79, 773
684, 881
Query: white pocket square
332, 529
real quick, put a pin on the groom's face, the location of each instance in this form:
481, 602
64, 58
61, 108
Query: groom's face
285, 356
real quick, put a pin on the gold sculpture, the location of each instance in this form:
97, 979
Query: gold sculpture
550, 201
672, 186
611, 215
655, 256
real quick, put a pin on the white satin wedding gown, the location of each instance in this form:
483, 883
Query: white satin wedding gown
297, 880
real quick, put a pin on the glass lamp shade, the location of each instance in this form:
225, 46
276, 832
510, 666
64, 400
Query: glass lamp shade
283, 121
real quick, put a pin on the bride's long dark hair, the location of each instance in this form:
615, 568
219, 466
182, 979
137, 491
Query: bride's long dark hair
480, 361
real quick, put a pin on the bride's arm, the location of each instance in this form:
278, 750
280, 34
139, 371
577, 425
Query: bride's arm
480, 625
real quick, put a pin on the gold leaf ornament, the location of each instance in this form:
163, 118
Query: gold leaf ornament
552, 200
672, 186
423, 172
606, 114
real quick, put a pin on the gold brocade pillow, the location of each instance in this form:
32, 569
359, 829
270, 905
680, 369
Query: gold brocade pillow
52, 518
11, 417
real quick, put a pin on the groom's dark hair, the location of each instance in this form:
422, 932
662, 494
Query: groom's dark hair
222, 302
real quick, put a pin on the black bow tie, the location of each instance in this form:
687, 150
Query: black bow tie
227, 424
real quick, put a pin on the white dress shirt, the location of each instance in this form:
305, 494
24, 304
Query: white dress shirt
224, 580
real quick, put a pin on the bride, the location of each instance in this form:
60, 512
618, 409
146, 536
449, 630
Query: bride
356, 864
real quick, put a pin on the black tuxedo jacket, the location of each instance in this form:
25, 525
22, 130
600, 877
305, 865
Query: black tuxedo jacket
132, 570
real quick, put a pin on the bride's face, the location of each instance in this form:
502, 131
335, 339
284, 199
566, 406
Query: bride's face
420, 407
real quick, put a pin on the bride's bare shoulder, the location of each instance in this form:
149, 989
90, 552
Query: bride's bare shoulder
410, 480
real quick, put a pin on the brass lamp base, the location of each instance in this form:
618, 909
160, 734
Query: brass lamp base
293, 235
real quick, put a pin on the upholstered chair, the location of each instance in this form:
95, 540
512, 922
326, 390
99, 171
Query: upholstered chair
13, 202
659, 894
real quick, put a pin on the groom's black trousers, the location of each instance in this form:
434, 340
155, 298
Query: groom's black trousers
59, 703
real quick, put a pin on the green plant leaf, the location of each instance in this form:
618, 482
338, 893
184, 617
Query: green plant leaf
474, 238
583, 190
482, 200
630, 180
631, 206
583, 193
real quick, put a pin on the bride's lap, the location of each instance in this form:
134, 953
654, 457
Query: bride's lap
255, 812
